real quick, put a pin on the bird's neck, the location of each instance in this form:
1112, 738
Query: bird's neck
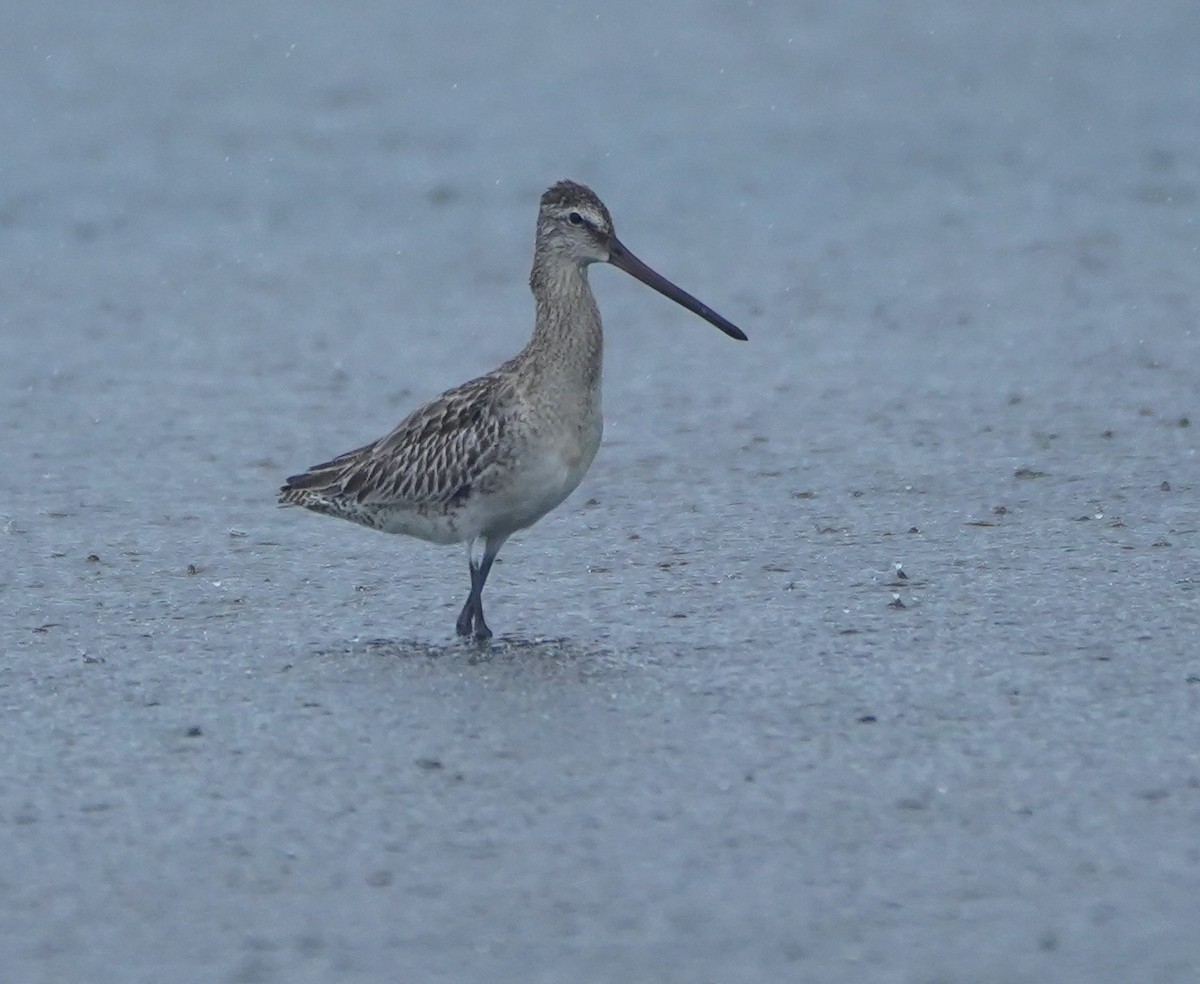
567, 336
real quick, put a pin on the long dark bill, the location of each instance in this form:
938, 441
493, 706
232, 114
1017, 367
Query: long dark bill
622, 259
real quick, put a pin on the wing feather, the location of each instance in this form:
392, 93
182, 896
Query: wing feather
433, 456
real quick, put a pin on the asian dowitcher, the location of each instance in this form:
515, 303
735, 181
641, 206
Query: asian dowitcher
494, 455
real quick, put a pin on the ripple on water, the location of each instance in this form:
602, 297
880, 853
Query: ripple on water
582, 660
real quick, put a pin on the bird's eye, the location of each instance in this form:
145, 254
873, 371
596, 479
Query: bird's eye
575, 218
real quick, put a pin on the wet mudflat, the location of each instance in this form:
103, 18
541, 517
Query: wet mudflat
866, 651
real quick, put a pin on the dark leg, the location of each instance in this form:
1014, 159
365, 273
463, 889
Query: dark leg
466, 618
482, 552
478, 579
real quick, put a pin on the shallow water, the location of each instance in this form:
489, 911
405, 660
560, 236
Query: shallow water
719, 737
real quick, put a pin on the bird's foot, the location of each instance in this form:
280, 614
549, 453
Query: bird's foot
470, 620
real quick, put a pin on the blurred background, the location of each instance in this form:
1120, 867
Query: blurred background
236, 239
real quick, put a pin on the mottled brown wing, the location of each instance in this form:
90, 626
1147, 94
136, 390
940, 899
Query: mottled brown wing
433, 456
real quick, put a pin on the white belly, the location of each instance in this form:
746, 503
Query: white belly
541, 480
516, 493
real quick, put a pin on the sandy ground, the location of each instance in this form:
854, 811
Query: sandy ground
719, 738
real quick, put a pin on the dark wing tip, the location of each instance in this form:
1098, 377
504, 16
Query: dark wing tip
289, 494
296, 483
297, 489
